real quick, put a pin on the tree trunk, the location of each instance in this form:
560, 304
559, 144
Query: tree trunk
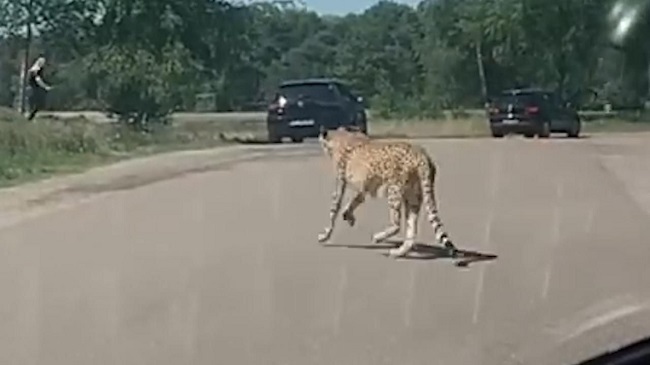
481, 70
647, 98
28, 43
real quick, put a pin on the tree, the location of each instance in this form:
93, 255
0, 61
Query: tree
411, 61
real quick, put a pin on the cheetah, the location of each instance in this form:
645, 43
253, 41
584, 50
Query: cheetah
404, 171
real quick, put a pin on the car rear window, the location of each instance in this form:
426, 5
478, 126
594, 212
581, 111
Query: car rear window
323, 92
519, 99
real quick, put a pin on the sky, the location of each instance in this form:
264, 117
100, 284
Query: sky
342, 7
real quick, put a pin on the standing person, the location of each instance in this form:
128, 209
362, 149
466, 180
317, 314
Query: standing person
38, 87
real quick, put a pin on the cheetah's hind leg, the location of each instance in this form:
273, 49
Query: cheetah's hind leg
395, 211
353, 204
412, 213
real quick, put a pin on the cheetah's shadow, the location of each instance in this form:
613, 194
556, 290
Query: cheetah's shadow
423, 251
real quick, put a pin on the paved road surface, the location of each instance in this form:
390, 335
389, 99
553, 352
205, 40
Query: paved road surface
222, 267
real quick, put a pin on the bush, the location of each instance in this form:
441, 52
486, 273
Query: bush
50, 144
141, 87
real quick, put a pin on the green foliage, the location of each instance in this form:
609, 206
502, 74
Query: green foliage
49, 145
28, 149
138, 86
143, 59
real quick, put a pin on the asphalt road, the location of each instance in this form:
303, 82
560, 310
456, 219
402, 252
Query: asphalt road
223, 266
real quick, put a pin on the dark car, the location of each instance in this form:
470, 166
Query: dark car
532, 112
300, 107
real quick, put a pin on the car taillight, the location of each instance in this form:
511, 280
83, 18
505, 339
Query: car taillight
278, 104
532, 110
282, 101
275, 108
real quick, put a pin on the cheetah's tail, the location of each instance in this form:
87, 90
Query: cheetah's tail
427, 172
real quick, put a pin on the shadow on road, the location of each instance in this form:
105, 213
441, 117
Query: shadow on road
581, 136
551, 137
264, 141
423, 251
244, 140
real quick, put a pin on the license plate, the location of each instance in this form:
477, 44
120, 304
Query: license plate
301, 123
510, 121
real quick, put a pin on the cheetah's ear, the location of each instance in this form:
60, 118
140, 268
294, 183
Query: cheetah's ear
323, 140
322, 133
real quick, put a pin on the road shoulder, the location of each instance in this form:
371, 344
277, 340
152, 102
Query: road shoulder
33, 199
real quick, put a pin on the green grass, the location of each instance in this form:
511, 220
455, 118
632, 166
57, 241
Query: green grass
478, 127
250, 127
50, 145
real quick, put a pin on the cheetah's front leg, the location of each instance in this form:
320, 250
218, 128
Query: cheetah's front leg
337, 197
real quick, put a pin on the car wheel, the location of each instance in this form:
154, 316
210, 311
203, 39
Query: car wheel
273, 137
575, 131
544, 130
296, 139
364, 128
362, 123
497, 134
529, 135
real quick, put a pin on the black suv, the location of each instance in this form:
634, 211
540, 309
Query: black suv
532, 112
300, 107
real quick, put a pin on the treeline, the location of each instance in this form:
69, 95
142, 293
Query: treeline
142, 59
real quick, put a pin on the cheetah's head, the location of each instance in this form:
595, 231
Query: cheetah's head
334, 141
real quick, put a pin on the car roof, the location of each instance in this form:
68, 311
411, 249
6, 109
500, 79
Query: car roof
310, 81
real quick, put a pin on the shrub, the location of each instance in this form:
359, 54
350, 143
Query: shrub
141, 87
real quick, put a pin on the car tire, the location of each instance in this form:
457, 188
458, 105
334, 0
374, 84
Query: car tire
575, 131
544, 130
364, 128
274, 137
529, 135
359, 121
297, 139
497, 134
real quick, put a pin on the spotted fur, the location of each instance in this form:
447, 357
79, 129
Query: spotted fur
404, 170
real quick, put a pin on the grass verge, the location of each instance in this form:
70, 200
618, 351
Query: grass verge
48, 146
250, 128
51, 145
